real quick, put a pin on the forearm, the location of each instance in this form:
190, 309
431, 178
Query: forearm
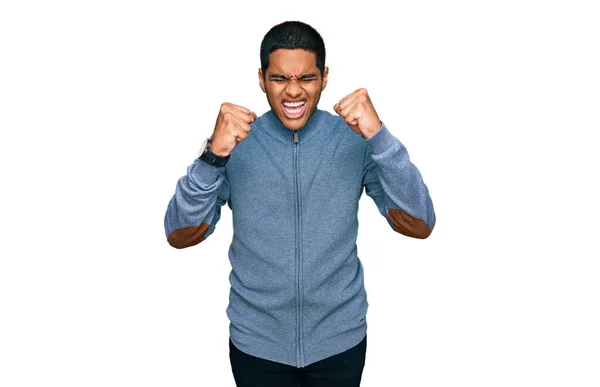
407, 203
192, 209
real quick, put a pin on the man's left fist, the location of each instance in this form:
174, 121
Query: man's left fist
359, 113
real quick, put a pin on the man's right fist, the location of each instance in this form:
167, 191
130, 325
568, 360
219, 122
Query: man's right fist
232, 127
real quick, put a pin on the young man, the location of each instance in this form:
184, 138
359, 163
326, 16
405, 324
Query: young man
293, 178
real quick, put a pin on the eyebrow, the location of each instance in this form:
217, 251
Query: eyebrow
304, 76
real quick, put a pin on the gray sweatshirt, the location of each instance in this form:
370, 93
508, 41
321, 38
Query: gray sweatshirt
297, 293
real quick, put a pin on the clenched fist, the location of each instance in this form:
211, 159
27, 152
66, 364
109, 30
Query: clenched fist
357, 110
232, 127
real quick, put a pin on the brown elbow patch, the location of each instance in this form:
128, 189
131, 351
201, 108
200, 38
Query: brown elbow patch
187, 236
407, 225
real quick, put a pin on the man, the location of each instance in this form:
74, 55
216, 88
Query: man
293, 178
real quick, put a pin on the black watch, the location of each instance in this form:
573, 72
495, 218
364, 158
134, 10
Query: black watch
210, 158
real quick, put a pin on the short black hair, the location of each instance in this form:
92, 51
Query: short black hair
292, 35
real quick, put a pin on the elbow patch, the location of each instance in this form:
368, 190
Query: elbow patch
188, 236
407, 225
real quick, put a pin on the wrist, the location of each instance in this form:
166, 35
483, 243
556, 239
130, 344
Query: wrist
219, 152
208, 155
373, 132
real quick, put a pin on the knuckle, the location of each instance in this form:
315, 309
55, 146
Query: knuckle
225, 107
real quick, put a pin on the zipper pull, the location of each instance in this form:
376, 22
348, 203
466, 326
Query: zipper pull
295, 136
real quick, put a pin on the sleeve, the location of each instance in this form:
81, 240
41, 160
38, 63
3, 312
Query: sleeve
195, 208
396, 186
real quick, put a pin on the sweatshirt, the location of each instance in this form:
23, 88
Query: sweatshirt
297, 291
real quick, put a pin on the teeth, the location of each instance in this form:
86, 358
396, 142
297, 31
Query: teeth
294, 104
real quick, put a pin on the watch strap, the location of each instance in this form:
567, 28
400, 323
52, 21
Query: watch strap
212, 159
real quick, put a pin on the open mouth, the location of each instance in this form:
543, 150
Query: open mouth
293, 110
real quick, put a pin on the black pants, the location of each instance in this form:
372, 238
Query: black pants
341, 370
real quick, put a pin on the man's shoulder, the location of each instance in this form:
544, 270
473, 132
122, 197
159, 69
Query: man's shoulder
331, 119
261, 119
337, 124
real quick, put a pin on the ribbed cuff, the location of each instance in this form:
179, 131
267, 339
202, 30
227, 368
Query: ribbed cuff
205, 173
382, 140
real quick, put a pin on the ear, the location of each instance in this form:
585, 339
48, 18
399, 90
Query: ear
325, 74
261, 80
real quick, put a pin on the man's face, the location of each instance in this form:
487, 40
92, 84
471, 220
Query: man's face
293, 85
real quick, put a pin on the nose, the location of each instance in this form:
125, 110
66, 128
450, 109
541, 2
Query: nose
293, 89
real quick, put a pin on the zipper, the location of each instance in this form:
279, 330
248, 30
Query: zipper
299, 351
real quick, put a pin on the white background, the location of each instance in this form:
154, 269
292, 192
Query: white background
103, 105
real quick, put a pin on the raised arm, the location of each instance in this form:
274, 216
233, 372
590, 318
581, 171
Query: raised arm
195, 208
389, 177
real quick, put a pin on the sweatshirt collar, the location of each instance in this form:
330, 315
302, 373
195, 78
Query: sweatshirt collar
278, 131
